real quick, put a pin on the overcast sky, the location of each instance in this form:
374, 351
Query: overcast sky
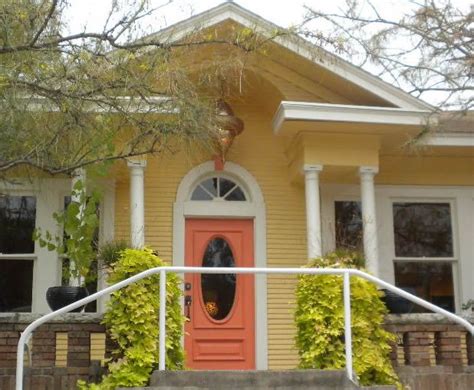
282, 12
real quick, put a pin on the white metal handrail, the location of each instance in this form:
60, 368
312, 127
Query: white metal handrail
345, 272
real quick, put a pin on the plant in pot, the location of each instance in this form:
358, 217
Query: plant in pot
77, 246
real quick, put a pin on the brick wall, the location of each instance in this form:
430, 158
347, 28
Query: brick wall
428, 340
70, 348
61, 351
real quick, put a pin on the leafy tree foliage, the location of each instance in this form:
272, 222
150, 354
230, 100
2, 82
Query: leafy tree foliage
71, 100
426, 51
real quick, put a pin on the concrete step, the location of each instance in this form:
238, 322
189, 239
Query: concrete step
253, 380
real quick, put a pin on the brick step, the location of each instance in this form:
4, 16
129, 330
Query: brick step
254, 380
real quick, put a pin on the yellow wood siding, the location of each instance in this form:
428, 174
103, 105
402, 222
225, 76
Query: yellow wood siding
269, 159
262, 154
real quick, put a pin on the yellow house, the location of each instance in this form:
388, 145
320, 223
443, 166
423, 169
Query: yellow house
322, 163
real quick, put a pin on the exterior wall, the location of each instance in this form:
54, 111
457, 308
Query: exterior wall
262, 154
63, 351
461, 200
429, 351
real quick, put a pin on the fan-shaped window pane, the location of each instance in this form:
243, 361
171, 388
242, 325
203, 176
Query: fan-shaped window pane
225, 186
200, 194
218, 291
210, 185
236, 195
218, 188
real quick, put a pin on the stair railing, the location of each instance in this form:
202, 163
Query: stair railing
162, 271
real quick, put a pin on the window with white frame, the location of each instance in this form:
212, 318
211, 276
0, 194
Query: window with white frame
348, 225
17, 252
218, 189
424, 250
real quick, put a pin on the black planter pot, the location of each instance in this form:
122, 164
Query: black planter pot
60, 296
397, 304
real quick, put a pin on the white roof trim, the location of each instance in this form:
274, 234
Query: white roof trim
152, 104
449, 139
296, 44
303, 111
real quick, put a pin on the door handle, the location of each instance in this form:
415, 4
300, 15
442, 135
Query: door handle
187, 304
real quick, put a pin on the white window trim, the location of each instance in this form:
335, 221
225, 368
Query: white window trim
21, 191
223, 175
106, 231
462, 214
253, 208
49, 195
454, 260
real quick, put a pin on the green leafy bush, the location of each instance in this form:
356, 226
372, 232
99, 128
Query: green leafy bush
132, 322
319, 318
80, 222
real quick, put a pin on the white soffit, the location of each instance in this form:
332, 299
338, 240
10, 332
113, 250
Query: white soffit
323, 112
449, 139
296, 44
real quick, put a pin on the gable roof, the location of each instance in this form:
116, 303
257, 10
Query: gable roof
331, 62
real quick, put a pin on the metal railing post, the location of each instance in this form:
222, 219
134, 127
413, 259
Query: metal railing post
347, 324
162, 324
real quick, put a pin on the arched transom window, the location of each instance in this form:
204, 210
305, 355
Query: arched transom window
218, 189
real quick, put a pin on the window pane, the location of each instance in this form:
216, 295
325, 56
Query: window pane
236, 195
422, 230
16, 282
17, 222
225, 186
200, 194
432, 281
210, 185
218, 291
349, 232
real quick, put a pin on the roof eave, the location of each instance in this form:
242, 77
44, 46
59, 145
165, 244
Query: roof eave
296, 44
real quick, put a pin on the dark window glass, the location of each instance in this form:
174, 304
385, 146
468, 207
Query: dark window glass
422, 230
432, 281
17, 222
349, 231
16, 283
225, 186
218, 291
236, 195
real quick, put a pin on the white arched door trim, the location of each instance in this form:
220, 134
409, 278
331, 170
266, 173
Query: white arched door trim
253, 208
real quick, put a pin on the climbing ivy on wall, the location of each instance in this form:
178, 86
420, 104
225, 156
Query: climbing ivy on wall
132, 323
319, 318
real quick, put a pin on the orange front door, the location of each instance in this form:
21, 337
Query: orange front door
220, 333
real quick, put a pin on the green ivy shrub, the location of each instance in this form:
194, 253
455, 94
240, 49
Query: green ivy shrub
132, 322
319, 318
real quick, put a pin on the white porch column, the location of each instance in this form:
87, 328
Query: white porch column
369, 220
78, 175
137, 203
313, 211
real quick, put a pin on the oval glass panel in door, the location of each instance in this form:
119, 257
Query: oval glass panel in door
218, 291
